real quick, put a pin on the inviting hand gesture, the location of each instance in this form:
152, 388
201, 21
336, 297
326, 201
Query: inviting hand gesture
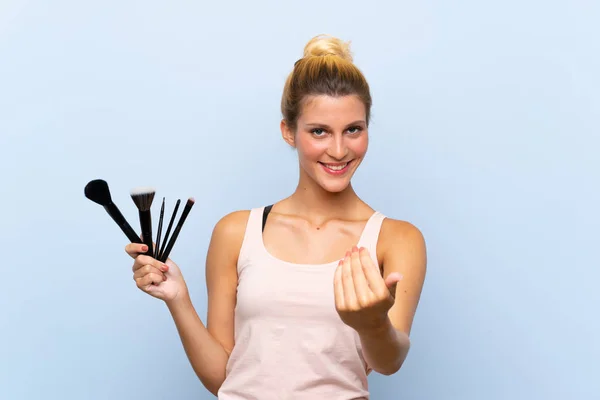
362, 297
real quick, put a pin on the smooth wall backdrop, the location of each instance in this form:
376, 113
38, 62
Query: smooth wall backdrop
485, 135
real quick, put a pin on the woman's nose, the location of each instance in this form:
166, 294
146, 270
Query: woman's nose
338, 148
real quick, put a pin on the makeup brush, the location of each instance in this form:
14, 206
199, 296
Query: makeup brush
143, 197
159, 231
184, 214
169, 229
97, 191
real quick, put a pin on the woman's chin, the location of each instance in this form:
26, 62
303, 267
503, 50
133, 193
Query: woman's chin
334, 185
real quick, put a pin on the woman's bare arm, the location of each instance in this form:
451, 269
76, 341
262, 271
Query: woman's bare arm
404, 251
208, 348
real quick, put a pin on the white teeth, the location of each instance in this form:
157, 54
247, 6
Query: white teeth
336, 167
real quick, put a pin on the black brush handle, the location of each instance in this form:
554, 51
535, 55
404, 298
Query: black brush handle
159, 231
116, 215
146, 225
184, 214
160, 255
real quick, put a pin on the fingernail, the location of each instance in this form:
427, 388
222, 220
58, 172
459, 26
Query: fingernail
354, 248
165, 267
144, 248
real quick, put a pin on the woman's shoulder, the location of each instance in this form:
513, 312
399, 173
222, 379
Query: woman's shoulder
399, 226
232, 225
228, 233
397, 234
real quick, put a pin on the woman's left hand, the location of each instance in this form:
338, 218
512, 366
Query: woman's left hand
362, 296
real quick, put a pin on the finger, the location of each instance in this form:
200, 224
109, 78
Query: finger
149, 280
391, 282
143, 260
361, 286
338, 288
373, 277
145, 270
135, 249
350, 300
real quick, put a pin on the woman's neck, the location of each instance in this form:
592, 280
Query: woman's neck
313, 203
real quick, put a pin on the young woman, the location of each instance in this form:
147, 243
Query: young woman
307, 296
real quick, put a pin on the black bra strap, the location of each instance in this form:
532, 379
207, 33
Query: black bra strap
266, 212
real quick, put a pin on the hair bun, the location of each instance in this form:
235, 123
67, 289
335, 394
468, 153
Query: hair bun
323, 45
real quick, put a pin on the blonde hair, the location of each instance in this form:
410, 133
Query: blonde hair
326, 68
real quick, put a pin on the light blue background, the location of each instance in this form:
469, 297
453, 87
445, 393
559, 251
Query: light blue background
485, 135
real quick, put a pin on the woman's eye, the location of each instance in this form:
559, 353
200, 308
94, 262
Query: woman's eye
319, 132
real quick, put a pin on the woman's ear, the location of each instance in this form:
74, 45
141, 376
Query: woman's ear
287, 133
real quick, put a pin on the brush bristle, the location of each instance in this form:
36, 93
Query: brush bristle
97, 191
143, 197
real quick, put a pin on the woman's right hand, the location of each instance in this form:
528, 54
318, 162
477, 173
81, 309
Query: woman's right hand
161, 280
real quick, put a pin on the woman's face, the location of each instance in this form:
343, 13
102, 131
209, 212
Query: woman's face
331, 139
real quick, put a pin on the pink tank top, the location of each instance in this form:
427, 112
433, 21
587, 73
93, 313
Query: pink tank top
289, 340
